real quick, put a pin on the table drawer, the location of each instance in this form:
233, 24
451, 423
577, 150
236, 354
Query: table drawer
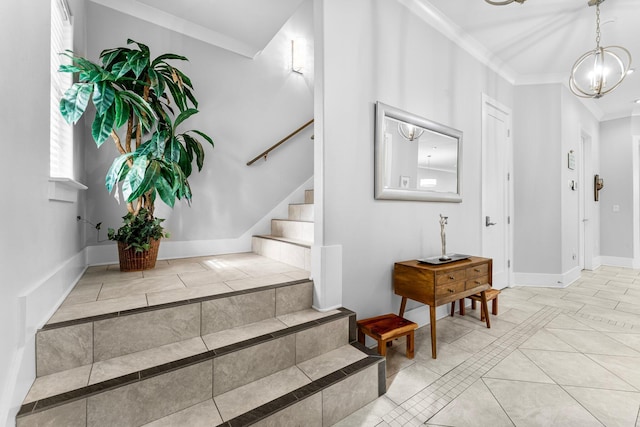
450, 277
477, 281
449, 289
478, 270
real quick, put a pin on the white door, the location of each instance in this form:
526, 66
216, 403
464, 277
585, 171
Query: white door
496, 189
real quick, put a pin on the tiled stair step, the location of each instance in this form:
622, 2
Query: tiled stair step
301, 212
292, 229
71, 344
290, 251
308, 196
178, 376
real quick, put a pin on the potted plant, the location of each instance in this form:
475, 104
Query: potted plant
139, 103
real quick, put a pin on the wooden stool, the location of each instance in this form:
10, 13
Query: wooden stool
385, 328
492, 295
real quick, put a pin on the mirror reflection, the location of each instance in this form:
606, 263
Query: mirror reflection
416, 159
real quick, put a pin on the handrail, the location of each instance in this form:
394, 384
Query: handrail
277, 144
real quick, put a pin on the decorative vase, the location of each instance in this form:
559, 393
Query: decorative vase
130, 260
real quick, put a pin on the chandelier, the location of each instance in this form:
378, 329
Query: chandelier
600, 70
502, 3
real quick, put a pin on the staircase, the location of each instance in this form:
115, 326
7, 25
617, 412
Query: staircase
231, 353
290, 239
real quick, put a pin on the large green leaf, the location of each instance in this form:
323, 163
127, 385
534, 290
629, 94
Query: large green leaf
161, 58
138, 62
184, 116
165, 190
103, 125
184, 161
177, 95
194, 146
204, 135
172, 150
103, 96
143, 48
151, 175
113, 174
74, 101
65, 68
120, 69
122, 112
134, 178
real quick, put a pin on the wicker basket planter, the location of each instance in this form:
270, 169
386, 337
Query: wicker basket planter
130, 260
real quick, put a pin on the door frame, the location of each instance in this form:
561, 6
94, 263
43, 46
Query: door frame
586, 209
487, 101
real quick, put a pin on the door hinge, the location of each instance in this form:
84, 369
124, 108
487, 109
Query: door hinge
508, 133
509, 220
508, 176
508, 263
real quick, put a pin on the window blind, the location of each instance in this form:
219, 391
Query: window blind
61, 133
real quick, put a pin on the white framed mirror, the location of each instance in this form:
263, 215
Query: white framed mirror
416, 158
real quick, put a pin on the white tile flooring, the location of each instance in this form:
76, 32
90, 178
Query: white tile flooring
553, 357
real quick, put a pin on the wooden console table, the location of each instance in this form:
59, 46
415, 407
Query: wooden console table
436, 285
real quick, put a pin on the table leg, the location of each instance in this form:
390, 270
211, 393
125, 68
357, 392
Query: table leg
462, 307
403, 305
432, 321
485, 308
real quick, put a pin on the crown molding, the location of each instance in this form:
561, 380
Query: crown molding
424, 10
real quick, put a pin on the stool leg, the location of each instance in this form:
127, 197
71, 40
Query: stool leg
473, 304
481, 313
382, 348
360, 336
410, 345
494, 306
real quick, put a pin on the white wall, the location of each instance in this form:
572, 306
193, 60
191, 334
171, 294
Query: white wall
548, 123
40, 253
576, 121
379, 51
245, 105
616, 168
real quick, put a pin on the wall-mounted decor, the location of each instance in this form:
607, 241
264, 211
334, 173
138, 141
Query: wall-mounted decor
416, 158
571, 160
598, 184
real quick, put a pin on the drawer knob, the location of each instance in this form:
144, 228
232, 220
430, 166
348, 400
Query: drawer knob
451, 277
451, 291
477, 270
478, 282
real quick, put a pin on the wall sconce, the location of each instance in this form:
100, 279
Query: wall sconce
598, 184
298, 55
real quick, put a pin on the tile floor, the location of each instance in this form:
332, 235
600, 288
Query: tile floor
104, 289
553, 357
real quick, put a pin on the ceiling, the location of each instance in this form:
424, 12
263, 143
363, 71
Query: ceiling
241, 26
538, 41
530, 43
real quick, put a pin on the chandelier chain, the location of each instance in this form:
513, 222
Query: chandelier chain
597, 25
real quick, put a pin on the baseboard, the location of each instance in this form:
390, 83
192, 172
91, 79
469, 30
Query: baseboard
619, 262
547, 280
171, 249
421, 315
36, 305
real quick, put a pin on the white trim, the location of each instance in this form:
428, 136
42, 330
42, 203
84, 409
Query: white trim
324, 310
36, 306
547, 280
597, 263
635, 160
65, 189
619, 262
